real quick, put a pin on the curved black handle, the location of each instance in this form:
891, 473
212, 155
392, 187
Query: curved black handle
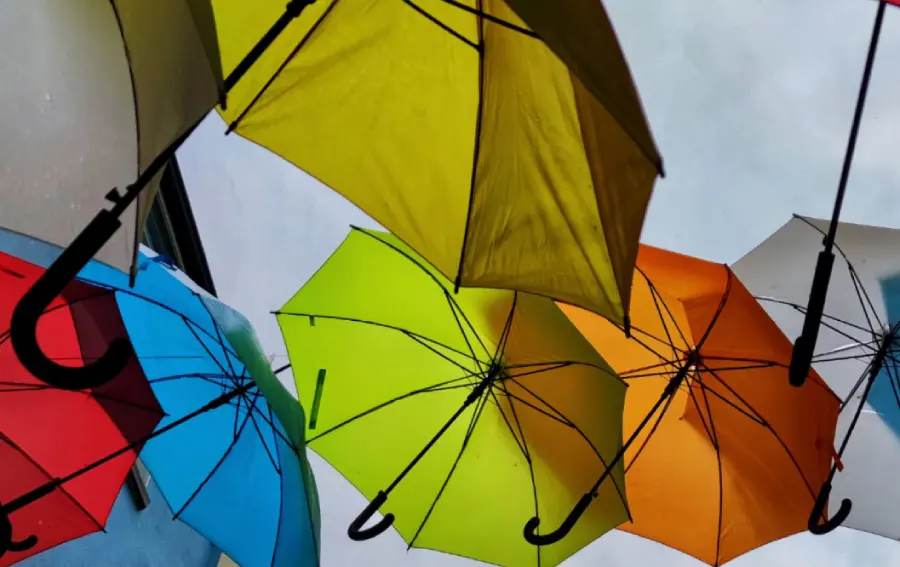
830, 524
23, 325
6, 541
357, 532
563, 530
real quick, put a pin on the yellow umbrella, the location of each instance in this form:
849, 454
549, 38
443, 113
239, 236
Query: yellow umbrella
462, 132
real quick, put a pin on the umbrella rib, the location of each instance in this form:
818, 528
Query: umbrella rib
718, 448
480, 13
551, 366
892, 379
557, 365
864, 300
802, 310
638, 330
263, 440
657, 299
219, 338
650, 434
476, 151
519, 442
750, 409
300, 44
440, 387
706, 427
281, 500
400, 330
775, 434
206, 377
853, 275
462, 330
205, 348
442, 355
211, 473
441, 24
426, 271
568, 422
130, 403
476, 415
507, 331
859, 382
742, 411
528, 460
147, 299
66, 493
270, 421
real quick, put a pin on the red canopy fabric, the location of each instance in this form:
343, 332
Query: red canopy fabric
47, 433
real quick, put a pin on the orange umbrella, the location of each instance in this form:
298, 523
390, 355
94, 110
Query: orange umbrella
722, 454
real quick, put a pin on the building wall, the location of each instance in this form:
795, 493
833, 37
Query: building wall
134, 538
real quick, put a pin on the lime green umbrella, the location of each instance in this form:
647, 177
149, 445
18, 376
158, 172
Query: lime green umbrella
460, 416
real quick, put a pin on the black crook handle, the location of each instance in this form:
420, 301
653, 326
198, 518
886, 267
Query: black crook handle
357, 532
830, 524
563, 530
23, 325
7, 543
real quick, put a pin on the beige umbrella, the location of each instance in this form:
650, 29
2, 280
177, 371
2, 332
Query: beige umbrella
93, 90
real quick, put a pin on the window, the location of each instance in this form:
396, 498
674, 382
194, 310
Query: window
171, 230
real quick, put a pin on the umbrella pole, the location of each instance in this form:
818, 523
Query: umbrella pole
47, 488
828, 525
89, 242
804, 346
356, 531
546, 539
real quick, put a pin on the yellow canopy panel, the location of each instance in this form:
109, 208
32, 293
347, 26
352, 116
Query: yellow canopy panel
459, 130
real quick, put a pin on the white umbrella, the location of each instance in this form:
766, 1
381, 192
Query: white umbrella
779, 272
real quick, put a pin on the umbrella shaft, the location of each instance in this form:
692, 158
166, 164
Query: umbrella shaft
874, 370
52, 485
670, 390
470, 399
854, 128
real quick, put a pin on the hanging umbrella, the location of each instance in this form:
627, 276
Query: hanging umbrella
459, 416
466, 135
103, 87
238, 475
805, 345
860, 317
46, 433
228, 459
722, 455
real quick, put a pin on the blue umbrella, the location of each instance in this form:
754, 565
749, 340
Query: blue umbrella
235, 471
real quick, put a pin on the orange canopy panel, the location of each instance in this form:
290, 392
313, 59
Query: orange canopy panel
734, 459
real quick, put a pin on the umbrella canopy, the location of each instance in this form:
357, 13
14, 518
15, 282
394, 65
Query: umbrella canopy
460, 416
457, 128
234, 471
47, 433
237, 474
860, 306
102, 89
733, 456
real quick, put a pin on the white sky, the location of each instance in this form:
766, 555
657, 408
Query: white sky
750, 102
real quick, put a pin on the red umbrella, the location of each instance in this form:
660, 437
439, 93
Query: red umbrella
48, 433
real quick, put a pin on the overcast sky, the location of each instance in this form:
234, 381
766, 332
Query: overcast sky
750, 102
